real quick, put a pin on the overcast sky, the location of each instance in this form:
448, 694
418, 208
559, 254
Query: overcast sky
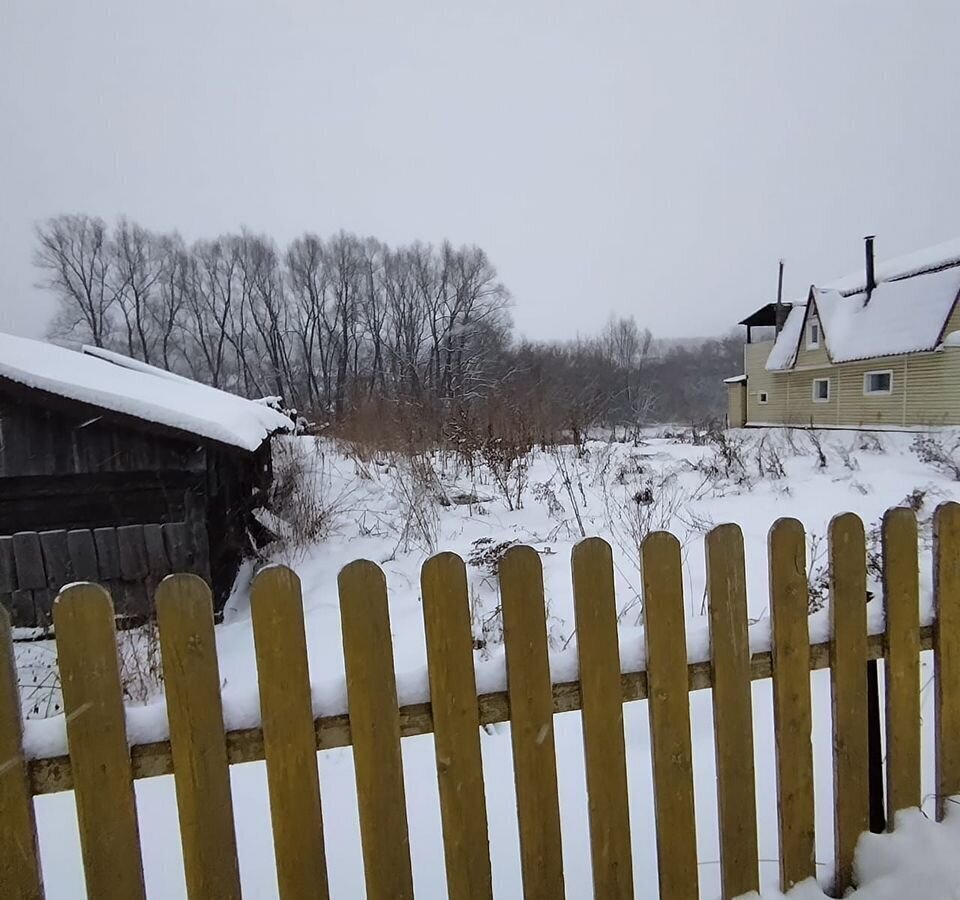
646, 158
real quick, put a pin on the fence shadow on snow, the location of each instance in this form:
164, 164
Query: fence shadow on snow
100, 767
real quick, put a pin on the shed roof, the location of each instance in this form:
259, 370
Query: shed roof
141, 392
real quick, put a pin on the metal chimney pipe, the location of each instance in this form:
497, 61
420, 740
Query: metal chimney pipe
780, 315
871, 278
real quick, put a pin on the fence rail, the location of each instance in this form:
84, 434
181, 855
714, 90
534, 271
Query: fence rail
199, 750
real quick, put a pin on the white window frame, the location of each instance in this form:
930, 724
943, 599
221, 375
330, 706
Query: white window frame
814, 324
866, 383
763, 397
813, 390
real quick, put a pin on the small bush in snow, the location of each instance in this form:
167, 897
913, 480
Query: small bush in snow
934, 452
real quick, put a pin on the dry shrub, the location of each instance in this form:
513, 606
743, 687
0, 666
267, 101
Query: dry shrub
944, 456
302, 508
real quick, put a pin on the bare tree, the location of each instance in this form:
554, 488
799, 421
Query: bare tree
73, 255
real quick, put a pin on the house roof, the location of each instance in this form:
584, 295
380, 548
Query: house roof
906, 313
141, 392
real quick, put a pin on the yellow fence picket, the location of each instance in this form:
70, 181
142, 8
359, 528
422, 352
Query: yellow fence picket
96, 735
290, 749
669, 709
792, 715
531, 723
197, 740
595, 609
20, 873
901, 595
946, 656
848, 682
456, 727
732, 711
375, 731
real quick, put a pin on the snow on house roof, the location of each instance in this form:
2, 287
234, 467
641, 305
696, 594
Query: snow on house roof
736, 379
784, 352
907, 311
905, 316
141, 391
939, 256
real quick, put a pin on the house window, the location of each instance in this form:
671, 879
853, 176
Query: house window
762, 397
878, 382
821, 390
813, 335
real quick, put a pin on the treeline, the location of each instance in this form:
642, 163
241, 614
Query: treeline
352, 331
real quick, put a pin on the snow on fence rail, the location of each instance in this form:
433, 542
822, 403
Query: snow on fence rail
100, 767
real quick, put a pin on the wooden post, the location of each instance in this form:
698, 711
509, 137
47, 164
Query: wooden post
792, 715
946, 656
197, 740
96, 734
732, 711
602, 699
668, 705
290, 749
531, 723
456, 726
375, 731
19, 853
848, 681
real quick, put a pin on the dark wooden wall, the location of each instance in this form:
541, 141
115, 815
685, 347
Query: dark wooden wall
129, 561
67, 468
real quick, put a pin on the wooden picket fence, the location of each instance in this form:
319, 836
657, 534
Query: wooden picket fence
101, 767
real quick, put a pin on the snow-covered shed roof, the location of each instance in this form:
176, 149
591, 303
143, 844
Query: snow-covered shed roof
906, 313
141, 391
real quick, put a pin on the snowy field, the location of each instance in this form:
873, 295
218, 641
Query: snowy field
397, 510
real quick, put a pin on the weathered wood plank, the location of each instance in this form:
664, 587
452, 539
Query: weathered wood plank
29, 558
669, 710
133, 553
792, 716
20, 873
108, 553
56, 559
848, 681
176, 540
197, 741
23, 610
283, 676
732, 711
375, 731
456, 724
595, 609
531, 723
901, 594
96, 733
158, 564
946, 656
83, 554
8, 566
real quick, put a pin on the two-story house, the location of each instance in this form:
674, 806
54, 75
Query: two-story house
878, 349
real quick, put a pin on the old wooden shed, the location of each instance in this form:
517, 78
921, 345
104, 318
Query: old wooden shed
114, 470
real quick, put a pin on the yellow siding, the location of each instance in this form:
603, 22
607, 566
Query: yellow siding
736, 405
805, 357
926, 390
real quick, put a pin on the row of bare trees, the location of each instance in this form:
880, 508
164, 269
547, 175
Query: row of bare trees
343, 324
320, 322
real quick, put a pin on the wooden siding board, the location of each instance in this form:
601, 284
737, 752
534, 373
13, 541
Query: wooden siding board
926, 391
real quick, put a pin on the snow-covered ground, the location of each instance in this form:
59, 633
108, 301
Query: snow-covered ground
397, 511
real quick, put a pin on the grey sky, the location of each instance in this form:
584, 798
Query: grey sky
643, 158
